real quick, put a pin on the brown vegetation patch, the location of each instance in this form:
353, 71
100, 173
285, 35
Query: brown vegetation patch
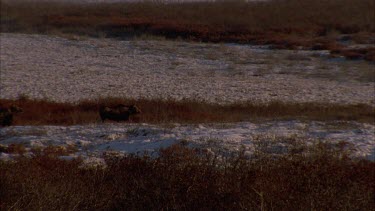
285, 24
185, 179
355, 53
13, 149
40, 112
365, 53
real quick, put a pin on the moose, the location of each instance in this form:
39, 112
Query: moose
118, 113
6, 115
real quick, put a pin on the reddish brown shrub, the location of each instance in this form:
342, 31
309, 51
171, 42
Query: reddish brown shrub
184, 179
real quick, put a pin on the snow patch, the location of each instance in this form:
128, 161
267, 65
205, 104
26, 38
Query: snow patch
273, 137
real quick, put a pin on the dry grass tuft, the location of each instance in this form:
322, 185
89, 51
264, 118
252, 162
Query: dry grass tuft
182, 178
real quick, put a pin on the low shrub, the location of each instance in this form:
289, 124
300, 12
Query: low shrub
181, 178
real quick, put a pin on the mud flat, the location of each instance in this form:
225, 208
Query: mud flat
69, 70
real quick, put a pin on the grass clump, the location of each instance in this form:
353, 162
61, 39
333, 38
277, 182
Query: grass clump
181, 178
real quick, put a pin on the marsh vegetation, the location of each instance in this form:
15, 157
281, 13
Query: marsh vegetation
215, 81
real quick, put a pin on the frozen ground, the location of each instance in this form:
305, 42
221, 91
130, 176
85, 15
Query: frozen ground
70, 70
273, 137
